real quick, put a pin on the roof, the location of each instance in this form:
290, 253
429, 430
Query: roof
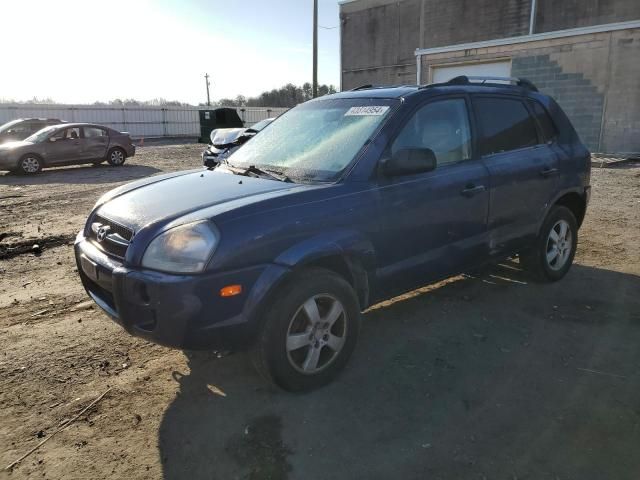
461, 84
391, 91
80, 124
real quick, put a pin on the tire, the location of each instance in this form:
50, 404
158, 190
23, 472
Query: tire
552, 255
29, 164
297, 354
116, 157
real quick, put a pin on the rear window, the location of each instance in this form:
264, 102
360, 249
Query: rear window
547, 127
505, 124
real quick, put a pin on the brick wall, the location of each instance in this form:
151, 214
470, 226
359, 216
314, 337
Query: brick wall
580, 99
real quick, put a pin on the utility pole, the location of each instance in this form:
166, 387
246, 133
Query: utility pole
206, 79
315, 48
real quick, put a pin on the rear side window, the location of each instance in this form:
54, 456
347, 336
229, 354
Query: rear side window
547, 127
91, 132
505, 124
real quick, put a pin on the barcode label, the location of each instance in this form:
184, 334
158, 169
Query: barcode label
367, 111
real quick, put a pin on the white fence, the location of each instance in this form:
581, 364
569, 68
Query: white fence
138, 121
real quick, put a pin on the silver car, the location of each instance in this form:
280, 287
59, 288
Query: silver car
66, 144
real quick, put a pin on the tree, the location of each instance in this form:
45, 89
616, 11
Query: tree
287, 96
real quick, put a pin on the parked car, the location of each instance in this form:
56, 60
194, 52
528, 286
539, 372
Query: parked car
66, 144
345, 201
24, 127
225, 141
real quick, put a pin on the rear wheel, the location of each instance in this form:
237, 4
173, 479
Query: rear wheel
116, 157
309, 332
30, 164
552, 255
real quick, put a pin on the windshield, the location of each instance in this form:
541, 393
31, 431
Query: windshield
8, 125
316, 140
41, 135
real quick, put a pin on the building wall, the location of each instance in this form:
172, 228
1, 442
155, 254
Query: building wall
560, 15
595, 78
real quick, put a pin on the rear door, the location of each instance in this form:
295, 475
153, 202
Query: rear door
433, 223
95, 142
522, 166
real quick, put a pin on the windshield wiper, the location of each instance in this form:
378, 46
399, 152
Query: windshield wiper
257, 171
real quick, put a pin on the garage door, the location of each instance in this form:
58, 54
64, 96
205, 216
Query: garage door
487, 69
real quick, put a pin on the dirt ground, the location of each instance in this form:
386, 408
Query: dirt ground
486, 376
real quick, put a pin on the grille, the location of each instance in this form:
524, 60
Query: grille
124, 232
117, 239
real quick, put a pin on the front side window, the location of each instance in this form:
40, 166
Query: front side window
442, 126
23, 127
505, 124
9, 126
317, 140
67, 134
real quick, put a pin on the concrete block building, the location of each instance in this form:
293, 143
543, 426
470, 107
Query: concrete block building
585, 53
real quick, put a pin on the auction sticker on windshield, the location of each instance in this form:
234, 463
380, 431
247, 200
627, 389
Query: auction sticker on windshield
370, 110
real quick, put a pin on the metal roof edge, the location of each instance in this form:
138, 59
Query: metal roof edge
571, 32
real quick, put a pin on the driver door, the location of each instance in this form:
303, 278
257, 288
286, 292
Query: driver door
433, 224
64, 146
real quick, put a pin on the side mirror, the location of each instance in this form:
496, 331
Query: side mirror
409, 161
52, 139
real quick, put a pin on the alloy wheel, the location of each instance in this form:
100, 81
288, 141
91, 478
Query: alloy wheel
317, 333
117, 157
559, 245
30, 164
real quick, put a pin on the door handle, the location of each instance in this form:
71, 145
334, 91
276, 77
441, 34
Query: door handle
548, 172
471, 190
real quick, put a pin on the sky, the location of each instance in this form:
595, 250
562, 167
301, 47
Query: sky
82, 51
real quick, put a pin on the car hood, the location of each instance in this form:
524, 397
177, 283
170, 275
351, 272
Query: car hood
226, 136
14, 145
172, 196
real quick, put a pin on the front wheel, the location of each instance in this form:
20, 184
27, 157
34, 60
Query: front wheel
29, 165
552, 255
309, 332
116, 157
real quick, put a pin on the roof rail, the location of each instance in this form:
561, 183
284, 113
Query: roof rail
361, 87
482, 80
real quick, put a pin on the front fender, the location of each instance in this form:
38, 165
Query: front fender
356, 250
346, 243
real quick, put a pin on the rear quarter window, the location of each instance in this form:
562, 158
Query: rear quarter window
547, 127
505, 124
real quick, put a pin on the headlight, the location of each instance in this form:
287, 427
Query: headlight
183, 249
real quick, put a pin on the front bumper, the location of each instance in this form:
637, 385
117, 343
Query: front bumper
180, 311
7, 162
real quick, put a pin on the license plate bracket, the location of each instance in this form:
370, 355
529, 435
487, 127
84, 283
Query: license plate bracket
89, 267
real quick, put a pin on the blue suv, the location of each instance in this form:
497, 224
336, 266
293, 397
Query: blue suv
342, 202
